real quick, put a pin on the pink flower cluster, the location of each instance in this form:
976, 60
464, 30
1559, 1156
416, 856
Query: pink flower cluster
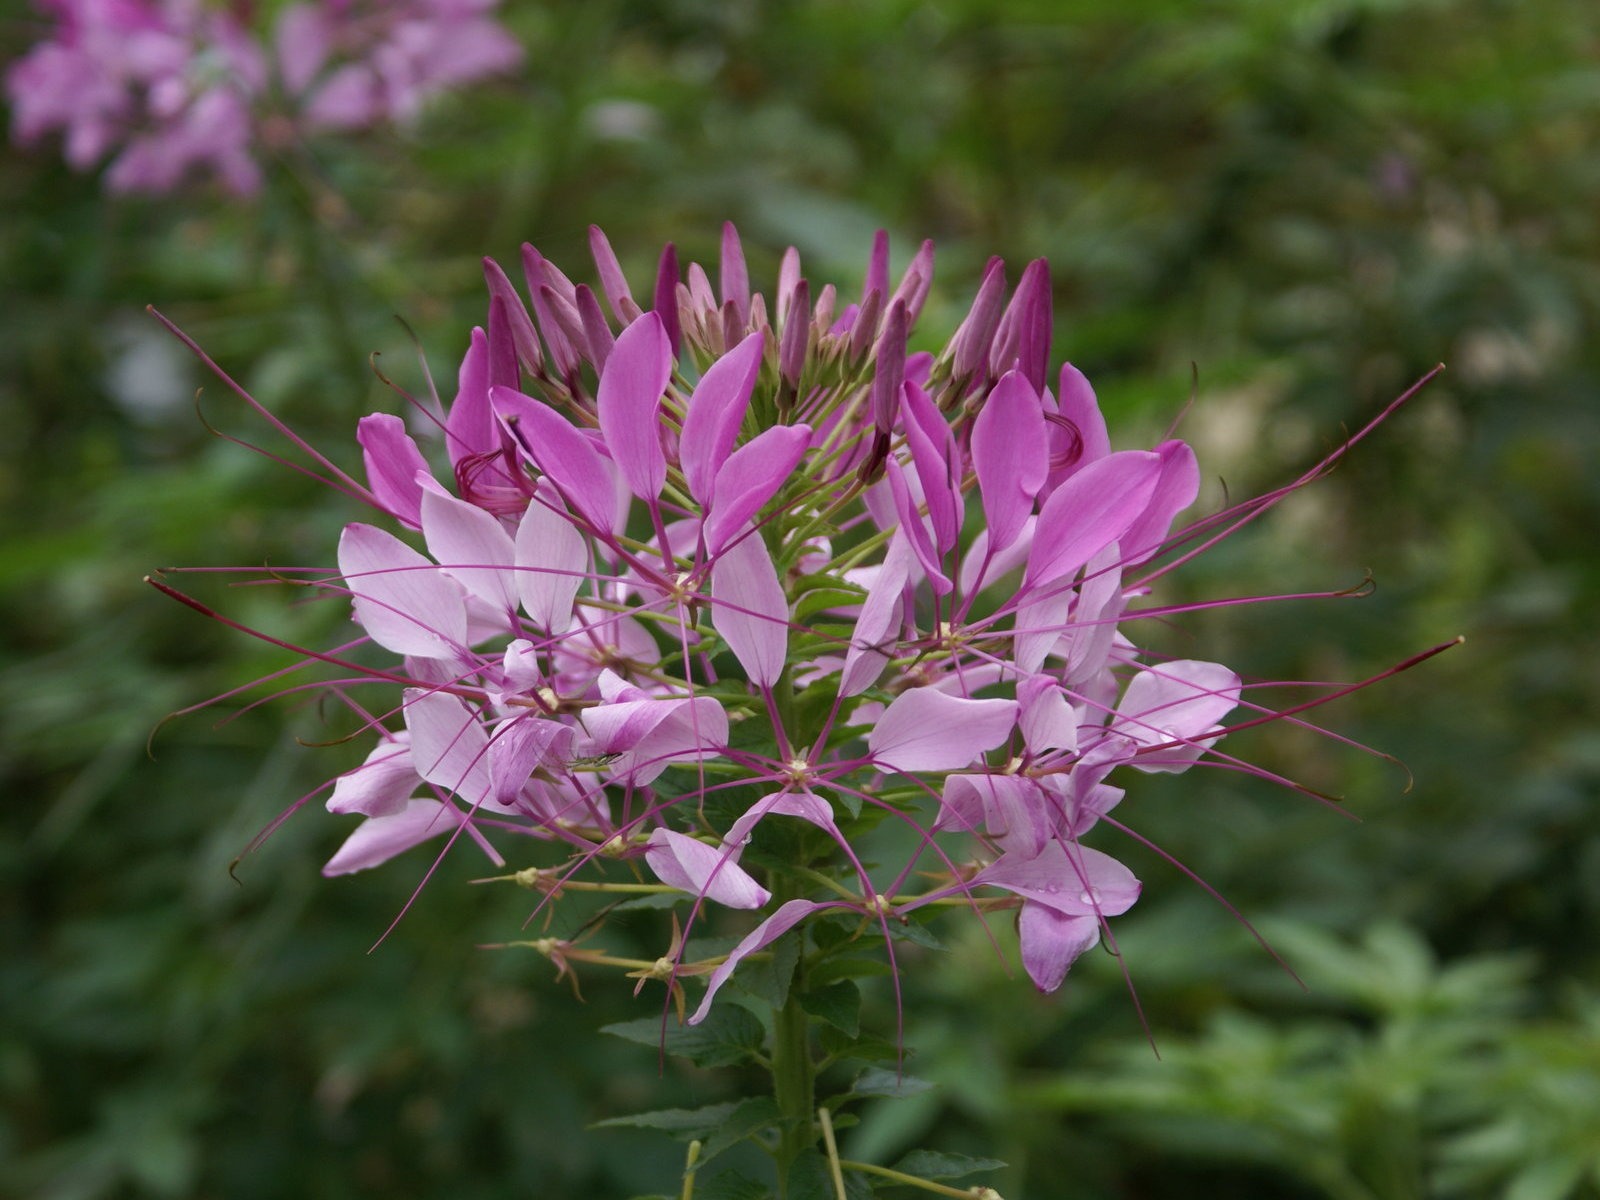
176, 88
702, 561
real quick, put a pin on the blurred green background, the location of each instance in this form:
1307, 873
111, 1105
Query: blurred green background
1304, 205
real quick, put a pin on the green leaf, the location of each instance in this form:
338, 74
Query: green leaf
810, 1179
732, 1185
728, 1035
685, 1123
821, 598
749, 1116
931, 1164
916, 932
875, 1081
839, 1004
867, 1049
846, 967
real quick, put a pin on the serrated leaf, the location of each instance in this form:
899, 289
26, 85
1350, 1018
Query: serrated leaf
685, 1123
846, 967
931, 1164
867, 1049
915, 932
819, 599
839, 1004
728, 1035
875, 1081
748, 1117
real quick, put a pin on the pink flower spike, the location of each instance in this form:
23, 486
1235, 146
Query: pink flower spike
1008, 454
926, 730
753, 474
473, 548
1052, 941
1022, 340
891, 369
403, 601
877, 267
716, 410
969, 348
520, 323
692, 866
551, 560
629, 403
393, 462
538, 275
763, 935
1176, 489
750, 610
1088, 512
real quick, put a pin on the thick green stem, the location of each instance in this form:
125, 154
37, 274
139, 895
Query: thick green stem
793, 1083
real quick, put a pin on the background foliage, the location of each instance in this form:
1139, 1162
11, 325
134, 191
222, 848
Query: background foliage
1307, 204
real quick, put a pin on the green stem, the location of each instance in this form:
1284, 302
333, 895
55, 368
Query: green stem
793, 1083
926, 1185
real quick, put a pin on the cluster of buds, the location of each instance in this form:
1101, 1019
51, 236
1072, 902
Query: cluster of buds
703, 562
177, 87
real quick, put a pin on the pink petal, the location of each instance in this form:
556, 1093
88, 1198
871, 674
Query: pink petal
750, 610
805, 805
393, 462
878, 626
378, 839
1075, 401
518, 748
1052, 941
629, 404
379, 787
735, 276
1176, 489
473, 548
612, 281
751, 477
711, 871
1048, 721
1075, 880
561, 451
926, 730
1009, 456
934, 455
470, 428
763, 935
916, 530
403, 601
448, 744
551, 564
716, 411
1088, 512
1177, 701
1014, 811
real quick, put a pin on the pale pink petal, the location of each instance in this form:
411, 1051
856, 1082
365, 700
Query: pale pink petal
750, 477
518, 748
750, 610
448, 744
378, 839
805, 805
1073, 880
916, 529
403, 601
1007, 560
1090, 511
926, 730
1051, 941
393, 463
714, 872
551, 562
763, 935
1039, 625
380, 786
629, 404
1011, 810
1047, 720
1177, 701
473, 548
716, 411
878, 626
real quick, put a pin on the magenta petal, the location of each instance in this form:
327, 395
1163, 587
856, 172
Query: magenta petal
629, 403
378, 839
1176, 489
563, 453
612, 281
934, 455
1090, 511
926, 730
716, 410
779, 923
401, 599
1175, 702
750, 610
518, 748
1009, 456
1040, 622
752, 476
551, 564
735, 276
878, 626
448, 744
711, 871
916, 530
470, 428
1052, 941
472, 547
1076, 403
393, 461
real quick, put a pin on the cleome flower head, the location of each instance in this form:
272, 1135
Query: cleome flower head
676, 564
